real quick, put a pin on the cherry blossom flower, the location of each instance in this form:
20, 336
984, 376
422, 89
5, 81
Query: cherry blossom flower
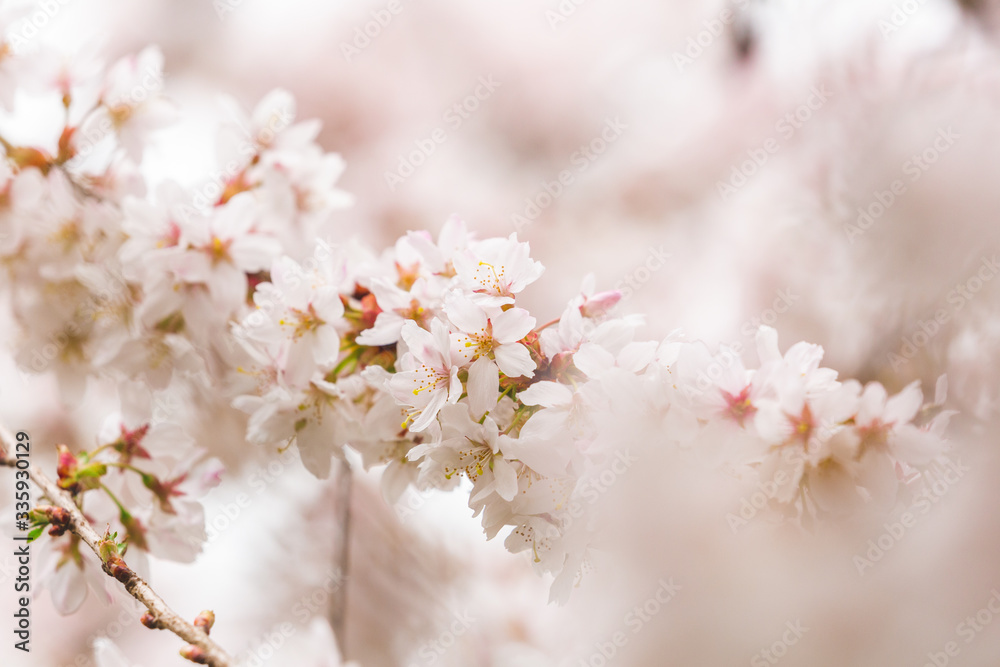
428, 376
69, 570
396, 307
472, 449
20, 195
496, 336
419, 357
10, 63
269, 126
497, 269
302, 314
312, 418
131, 104
222, 253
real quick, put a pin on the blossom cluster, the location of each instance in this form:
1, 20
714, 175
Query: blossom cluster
115, 282
421, 358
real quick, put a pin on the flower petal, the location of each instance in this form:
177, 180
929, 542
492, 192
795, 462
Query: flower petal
514, 360
546, 393
483, 386
512, 325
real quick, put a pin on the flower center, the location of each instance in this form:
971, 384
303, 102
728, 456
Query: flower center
303, 322
739, 407
491, 279
218, 250
120, 113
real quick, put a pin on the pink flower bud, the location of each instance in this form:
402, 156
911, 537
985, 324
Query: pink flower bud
194, 654
600, 303
205, 620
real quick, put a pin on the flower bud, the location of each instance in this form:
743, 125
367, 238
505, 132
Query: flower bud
66, 465
60, 521
120, 571
150, 621
194, 654
599, 304
205, 620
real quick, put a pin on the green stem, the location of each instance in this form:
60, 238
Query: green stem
124, 514
93, 454
126, 466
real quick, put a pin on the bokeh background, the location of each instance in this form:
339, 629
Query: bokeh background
719, 160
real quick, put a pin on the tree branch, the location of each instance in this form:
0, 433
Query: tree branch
338, 601
208, 653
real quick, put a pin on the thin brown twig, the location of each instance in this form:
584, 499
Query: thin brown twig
163, 616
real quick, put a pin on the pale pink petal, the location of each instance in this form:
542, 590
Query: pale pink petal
544, 425
465, 315
512, 325
429, 412
506, 478
548, 394
326, 346
872, 403
483, 386
636, 356
514, 360
903, 407
593, 360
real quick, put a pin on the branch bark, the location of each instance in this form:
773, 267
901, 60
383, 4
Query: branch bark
338, 601
163, 616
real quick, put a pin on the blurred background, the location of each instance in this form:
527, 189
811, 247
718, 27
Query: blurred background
826, 168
